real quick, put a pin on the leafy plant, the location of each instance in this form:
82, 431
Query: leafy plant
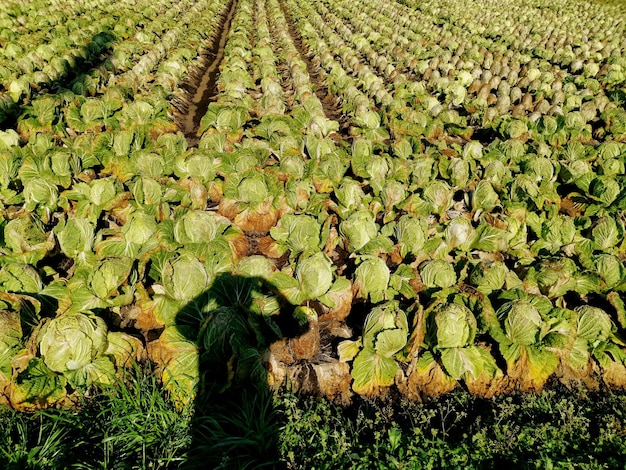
385, 334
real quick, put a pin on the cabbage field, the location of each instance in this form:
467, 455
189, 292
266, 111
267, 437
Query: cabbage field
350, 196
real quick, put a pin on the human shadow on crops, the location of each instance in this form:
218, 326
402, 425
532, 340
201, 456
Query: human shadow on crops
73, 74
233, 323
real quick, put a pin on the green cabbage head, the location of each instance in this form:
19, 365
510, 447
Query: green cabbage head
72, 341
315, 275
522, 322
438, 273
455, 326
372, 277
594, 324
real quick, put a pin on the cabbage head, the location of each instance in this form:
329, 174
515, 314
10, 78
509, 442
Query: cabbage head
522, 322
256, 266
438, 273
76, 237
594, 331
253, 189
610, 268
455, 326
315, 275
606, 233
358, 229
604, 189
460, 172
298, 233
185, 277
411, 235
473, 150
198, 227
72, 341
484, 197
139, 227
372, 278
489, 277
40, 193
594, 324
460, 233
350, 194
439, 196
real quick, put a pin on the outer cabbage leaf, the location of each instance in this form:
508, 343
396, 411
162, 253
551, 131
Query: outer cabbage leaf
348, 349
459, 362
10, 342
178, 360
123, 348
100, 371
390, 341
20, 278
604, 189
372, 371
24, 236
579, 354
37, 387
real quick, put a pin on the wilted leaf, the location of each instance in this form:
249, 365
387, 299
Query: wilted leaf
372, 371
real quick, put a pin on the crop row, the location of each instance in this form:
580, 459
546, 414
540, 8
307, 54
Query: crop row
65, 192
100, 42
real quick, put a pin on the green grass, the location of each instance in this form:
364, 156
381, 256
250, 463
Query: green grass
128, 425
134, 426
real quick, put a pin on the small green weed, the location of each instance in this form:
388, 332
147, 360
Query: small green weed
549, 430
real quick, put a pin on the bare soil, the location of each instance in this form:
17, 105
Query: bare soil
201, 85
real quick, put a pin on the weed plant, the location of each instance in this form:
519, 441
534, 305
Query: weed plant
133, 425
553, 429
